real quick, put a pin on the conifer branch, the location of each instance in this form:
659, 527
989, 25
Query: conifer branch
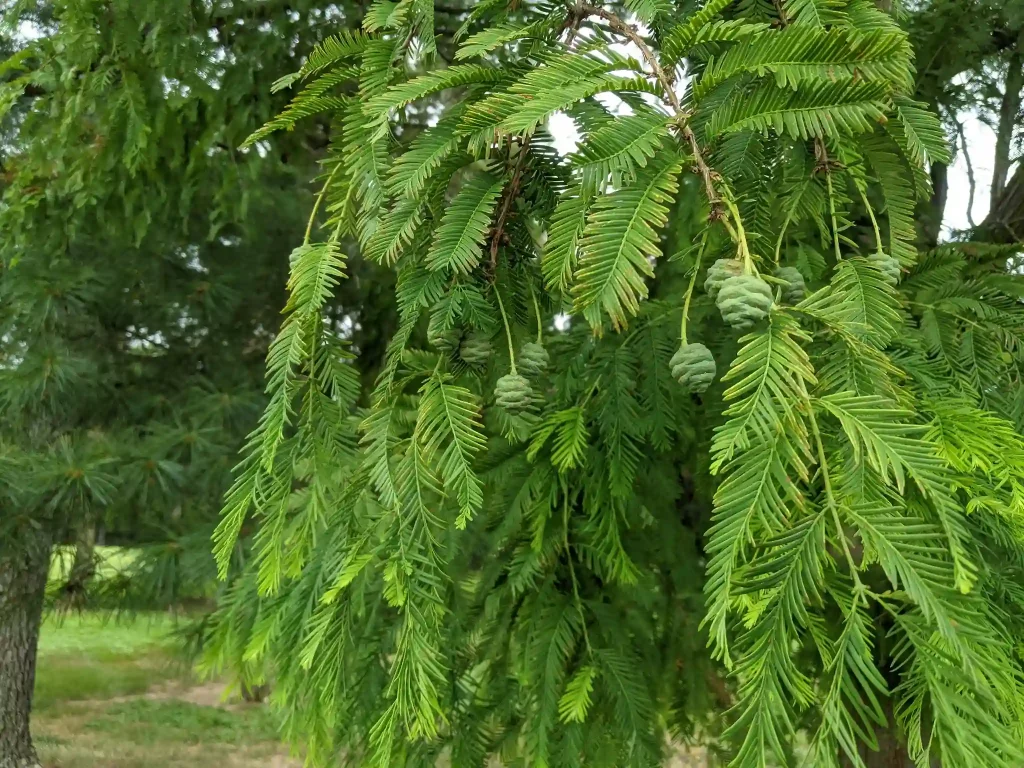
477, 637
507, 201
667, 87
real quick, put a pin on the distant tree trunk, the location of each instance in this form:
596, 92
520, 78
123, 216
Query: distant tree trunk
83, 567
933, 213
254, 694
24, 563
1009, 111
1005, 220
891, 752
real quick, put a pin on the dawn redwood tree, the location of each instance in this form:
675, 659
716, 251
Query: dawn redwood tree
694, 385
141, 279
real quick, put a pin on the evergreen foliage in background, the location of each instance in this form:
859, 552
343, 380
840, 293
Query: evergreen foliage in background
141, 281
482, 563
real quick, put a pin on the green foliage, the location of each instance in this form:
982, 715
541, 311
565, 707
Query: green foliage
470, 564
830, 109
135, 332
618, 239
458, 239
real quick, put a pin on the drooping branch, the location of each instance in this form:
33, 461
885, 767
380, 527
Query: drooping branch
620, 27
625, 30
506, 203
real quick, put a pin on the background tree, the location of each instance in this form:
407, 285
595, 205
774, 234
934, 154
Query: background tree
970, 65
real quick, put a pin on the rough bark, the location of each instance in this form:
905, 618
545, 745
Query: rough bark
24, 562
1009, 110
1005, 220
931, 218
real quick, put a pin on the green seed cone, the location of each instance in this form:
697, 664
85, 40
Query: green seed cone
693, 366
744, 301
718, 273
443, 340
475, 348
513, 393
888, 266
795, 289
533, 359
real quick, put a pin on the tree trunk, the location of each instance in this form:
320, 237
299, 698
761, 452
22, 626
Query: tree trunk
932, 213
891, 752
24, 563
1005, 221
1009, 110
83, 567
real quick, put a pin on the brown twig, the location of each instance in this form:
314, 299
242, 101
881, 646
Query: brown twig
624, 29
970, 175
506, 204
820, 153
702, 167
780, 9
573, 20
682, 117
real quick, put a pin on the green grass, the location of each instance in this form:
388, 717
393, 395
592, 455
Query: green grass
113, 694
94, 656
154, 722
93, 632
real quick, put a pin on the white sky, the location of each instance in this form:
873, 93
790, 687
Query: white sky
981, 144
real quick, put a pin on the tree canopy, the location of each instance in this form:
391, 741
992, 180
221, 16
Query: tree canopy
695, 433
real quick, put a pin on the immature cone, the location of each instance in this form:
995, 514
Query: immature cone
693, 366
794, 288
718, 273
513, 393
744, 300
475, 348
533, 359
889, 267
442, 340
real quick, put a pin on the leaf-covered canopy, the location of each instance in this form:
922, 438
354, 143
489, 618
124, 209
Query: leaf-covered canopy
541, 536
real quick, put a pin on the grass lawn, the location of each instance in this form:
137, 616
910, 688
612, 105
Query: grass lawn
112, 693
